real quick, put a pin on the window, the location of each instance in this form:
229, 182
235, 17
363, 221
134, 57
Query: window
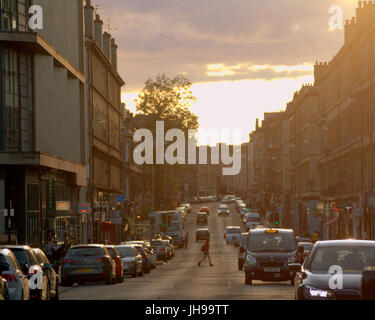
14, 15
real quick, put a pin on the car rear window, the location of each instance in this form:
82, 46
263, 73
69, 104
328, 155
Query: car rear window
85, 252
261, 241
233, 230
23, 257
125, 252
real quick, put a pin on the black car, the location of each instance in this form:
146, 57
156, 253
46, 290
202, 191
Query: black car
202, 234
333, 270
271, 255
88, 263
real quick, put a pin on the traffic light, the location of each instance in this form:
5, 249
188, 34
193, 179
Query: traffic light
250, 210
277, 219
164, 220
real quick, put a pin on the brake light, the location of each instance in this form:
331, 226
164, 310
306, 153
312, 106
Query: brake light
9, 277
161, 249
103, 259
67, 261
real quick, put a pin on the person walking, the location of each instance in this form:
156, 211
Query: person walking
206, 251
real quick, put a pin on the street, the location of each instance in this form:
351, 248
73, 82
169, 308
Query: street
182, 279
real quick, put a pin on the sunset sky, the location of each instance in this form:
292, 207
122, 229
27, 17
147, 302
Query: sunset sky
245, 57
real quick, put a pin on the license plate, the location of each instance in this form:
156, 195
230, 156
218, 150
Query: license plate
271, 269
85, 270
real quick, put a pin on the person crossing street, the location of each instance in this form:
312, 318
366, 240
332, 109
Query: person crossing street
206, 251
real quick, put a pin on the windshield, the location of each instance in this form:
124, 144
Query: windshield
259, 241
252, 219
203, 232
350, 259
125, 252
233, 230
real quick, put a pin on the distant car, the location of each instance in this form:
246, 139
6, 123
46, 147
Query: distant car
10, 270
226, 200
303, 239
202, 218
271, 255
303, 249
205, 209
146, 259
348, 257
148, 248
131, 260
88, 263
223, 211
161, 249
232, 235
30, 265
53, 278
252, 221
187, 206
119, 265
202, 234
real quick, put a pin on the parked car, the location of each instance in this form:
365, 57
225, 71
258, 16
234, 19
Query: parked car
252, 220
10, 270
232, 235
3, 288
29, 265
202, 234
303, 249
88, 263
271, 255
119, 265
53, 278
351, 256
226, 200
161, 249
202, 218
131, 260
149, 250
146, 260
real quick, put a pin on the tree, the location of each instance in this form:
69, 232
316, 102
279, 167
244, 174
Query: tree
168, 100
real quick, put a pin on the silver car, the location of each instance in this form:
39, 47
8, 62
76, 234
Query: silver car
131, 260
18, 284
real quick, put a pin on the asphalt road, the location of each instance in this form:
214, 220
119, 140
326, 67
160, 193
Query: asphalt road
182, 279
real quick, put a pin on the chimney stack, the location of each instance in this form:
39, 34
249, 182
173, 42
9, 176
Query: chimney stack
98, 28
89, 20
107, 45
114, 53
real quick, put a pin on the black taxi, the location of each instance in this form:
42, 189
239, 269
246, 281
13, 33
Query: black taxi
271, 255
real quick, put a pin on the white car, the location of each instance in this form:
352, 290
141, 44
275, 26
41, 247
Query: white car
223, 211
232, 235
252, 221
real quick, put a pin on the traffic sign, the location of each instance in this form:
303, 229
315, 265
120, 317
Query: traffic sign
11, 212
5, 212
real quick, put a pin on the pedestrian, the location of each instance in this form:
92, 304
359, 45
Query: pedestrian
206, 251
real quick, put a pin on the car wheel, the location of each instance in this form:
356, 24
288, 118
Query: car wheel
248, 280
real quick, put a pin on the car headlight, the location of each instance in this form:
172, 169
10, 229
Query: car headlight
292, 259
251, 260
312, 292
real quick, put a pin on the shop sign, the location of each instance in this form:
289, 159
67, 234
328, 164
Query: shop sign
62, 205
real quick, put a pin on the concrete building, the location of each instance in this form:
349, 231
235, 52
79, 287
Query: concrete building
42, 135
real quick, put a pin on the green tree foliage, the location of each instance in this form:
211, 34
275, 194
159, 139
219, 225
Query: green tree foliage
169, 100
